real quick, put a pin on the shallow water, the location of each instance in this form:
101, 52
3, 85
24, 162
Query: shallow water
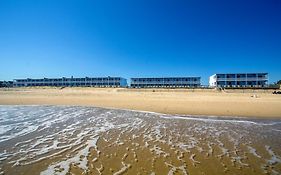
77, 140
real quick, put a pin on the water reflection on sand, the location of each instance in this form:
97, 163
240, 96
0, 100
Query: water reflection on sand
62, 139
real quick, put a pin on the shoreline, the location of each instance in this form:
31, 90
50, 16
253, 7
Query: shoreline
85, 138
163, 115
182, 102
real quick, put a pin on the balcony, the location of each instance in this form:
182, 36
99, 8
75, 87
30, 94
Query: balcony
242, 79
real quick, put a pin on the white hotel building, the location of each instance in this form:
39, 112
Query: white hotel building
239, 80
166, 82
87, 81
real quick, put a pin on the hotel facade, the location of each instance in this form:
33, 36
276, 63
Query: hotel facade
239, 80
169, 82
87, 81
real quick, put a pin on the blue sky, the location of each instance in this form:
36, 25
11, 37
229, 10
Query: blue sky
136, 38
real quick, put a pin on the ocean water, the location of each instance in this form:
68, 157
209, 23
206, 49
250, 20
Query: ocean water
88, 140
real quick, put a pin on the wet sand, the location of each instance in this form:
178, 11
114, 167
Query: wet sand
245, 103
90, 140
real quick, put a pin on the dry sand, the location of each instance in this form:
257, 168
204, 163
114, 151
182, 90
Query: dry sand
247, 103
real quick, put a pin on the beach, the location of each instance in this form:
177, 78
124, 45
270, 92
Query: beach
120, 131
242, 103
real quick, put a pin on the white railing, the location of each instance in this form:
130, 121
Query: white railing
241, 79
170, 82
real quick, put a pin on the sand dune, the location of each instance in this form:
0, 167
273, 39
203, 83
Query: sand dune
248, 103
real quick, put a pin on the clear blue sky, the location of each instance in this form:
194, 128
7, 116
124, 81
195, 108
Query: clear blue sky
135, 38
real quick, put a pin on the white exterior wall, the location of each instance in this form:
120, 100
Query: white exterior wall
212, 81
239, 80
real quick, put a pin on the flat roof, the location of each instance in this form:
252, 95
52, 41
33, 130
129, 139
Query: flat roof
64, 78
165, 77
242, 73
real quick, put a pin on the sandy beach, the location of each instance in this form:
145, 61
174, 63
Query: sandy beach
243, 103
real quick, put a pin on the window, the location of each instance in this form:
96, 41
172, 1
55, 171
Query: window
251, 75
220, 76
230, 76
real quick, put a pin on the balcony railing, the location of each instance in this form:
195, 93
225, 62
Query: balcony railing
166, 82
242, 79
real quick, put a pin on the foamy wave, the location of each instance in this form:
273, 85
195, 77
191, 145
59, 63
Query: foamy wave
69, 136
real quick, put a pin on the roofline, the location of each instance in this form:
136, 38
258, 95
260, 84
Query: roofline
244, 73
165, 77
65, 77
